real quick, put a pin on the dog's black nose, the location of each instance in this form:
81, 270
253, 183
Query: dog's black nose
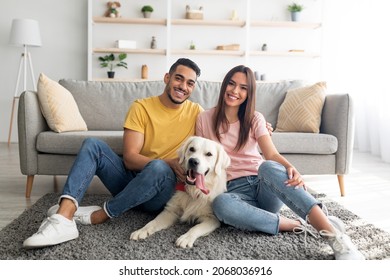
193, 162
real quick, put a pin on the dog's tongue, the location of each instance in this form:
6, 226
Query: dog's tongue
199, 183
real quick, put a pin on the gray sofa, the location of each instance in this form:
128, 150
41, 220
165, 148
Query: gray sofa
104, 105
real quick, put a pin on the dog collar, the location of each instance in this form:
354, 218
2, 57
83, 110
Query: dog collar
180, 186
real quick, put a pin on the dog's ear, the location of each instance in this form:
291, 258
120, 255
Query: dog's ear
182, 150
223, 160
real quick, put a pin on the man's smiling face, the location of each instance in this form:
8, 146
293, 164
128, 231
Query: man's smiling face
180, 84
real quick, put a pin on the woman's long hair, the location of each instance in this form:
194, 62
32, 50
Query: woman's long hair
245, 112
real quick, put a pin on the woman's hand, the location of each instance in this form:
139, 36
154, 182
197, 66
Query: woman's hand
295, 178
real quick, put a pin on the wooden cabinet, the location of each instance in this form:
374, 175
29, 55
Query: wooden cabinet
174, 36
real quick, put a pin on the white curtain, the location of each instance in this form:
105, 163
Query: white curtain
356, 60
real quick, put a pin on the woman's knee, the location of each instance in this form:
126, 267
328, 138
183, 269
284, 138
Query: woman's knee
271, 169
221, 204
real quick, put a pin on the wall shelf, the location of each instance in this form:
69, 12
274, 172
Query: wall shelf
209, 52
121, 20
129, 51
286, 24
119, 80
238, 23
174, 34
285, 53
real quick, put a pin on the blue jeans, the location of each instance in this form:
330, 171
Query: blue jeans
253, 203
150, 189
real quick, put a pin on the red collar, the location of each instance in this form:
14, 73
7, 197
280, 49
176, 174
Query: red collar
180, 186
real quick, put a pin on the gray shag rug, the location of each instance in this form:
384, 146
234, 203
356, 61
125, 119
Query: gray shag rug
110, 241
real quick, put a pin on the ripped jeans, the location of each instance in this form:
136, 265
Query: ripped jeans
253, 202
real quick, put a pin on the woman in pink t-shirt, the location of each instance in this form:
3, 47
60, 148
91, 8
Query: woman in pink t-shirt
258, 186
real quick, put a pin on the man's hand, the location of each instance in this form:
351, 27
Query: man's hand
269, 127
177, 168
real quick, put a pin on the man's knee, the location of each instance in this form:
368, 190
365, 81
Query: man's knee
159, 166
92, 142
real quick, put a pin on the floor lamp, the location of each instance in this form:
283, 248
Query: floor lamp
25, 33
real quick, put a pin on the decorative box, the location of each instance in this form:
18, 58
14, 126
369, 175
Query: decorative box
126, 44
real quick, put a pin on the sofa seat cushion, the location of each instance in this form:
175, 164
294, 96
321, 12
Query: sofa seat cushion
69, 143
305, 143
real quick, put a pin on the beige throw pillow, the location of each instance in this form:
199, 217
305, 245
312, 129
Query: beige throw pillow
59, 107
301, 109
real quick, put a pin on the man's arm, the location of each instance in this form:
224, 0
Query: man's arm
269, 128
132, 145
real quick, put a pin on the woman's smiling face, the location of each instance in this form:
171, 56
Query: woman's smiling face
236, 90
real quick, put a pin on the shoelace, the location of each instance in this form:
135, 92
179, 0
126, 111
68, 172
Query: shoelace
47, 222
305, 228
338, 245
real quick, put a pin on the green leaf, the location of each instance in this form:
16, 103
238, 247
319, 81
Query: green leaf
122, 56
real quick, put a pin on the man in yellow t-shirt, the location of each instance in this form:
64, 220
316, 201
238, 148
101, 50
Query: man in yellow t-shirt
145, 177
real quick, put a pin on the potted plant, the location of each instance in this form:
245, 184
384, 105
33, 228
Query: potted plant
147, 11
295, 10
112, 62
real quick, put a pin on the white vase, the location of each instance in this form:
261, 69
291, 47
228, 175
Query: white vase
295, 16
147, 14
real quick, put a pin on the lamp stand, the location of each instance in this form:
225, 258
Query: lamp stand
24, 60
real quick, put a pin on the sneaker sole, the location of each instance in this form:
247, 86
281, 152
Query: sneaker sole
42, 245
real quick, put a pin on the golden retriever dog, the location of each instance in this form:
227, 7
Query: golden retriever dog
205, 162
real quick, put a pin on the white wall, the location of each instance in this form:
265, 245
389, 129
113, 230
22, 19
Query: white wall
208, 37
63, 25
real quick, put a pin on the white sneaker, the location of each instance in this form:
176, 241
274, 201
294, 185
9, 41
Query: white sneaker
337, 223
342, 245
54, 230
81, 216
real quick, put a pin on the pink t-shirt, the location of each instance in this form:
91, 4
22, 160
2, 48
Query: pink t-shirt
247, 160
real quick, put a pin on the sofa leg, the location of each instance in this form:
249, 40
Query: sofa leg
340, 178
29, 184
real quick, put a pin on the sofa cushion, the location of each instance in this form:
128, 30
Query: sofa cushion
114, 98
58, 106
270, 95
69, 143
104, 104
206, 93
301, 110
305, 143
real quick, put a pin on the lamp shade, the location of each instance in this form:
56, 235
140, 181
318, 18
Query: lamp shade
25, 32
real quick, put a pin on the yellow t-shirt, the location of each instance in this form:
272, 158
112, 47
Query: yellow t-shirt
164, 129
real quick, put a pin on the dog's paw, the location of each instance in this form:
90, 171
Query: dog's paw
140, 234
185, 241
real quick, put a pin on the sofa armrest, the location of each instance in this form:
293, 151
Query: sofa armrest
30, 123
338, 120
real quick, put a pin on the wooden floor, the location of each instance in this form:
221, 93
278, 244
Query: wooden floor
367, 187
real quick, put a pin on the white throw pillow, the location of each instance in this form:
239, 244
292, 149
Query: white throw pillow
59, 107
